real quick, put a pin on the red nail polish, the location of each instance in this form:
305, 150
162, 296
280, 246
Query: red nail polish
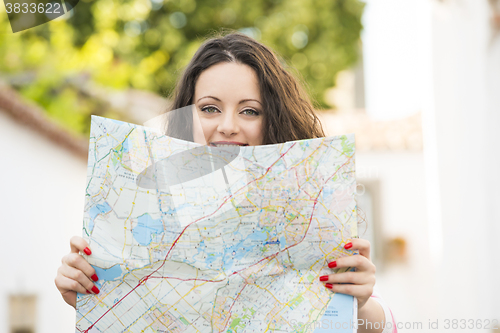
333, 264
94, 277
95, 290
87, 251
329, 285
348, 246
323, 278
88, 292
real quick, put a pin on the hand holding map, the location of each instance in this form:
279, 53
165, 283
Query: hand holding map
359, 283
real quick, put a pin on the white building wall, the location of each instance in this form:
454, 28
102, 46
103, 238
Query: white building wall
466, 111
393, 47
458, 86
42, 198
403, 213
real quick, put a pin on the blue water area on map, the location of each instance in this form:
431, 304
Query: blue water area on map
282, 242
108, 274
202, 251
338, 316
235, 251
242, 249
96, 210
327, 192
125, 146
211, 258
145, 228
202, 247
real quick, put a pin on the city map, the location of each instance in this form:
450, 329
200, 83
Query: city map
193, 238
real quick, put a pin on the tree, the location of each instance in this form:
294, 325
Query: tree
145, 44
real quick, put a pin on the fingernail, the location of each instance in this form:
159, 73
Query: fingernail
94, 277
323, 278
87, 251
95, 290
88, 292
329, 285
333, 264
348, 246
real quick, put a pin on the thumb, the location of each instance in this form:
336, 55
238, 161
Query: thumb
362, 245
78, 244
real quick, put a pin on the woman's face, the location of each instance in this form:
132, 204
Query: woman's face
229, 106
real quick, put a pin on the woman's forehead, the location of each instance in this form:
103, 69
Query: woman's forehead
228, 80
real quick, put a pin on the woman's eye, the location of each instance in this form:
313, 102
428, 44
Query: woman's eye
209, 109
250, 112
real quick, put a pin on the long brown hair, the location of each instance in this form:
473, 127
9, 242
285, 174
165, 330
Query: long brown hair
288, 112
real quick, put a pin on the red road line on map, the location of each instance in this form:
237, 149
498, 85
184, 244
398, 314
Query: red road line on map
182, 232
305, 234
234, 302
314, 206
144, 279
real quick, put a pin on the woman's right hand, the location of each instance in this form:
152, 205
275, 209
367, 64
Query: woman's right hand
76, 274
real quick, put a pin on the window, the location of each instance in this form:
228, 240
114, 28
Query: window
22, 313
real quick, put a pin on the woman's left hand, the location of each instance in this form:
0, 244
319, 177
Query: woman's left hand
361, 281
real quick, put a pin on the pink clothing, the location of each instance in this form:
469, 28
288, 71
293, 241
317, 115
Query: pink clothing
390, 326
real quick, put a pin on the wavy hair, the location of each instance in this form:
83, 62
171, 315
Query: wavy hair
288, 111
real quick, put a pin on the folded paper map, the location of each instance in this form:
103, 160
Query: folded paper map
193, 238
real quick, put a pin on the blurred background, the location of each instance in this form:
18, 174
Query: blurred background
417, 81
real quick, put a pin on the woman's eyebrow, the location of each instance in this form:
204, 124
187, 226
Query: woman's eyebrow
242, 101
249, 100
208, 97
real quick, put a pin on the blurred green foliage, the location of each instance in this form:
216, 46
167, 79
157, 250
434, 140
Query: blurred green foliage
144, 44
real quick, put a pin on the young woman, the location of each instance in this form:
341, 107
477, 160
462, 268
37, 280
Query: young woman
244, 96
